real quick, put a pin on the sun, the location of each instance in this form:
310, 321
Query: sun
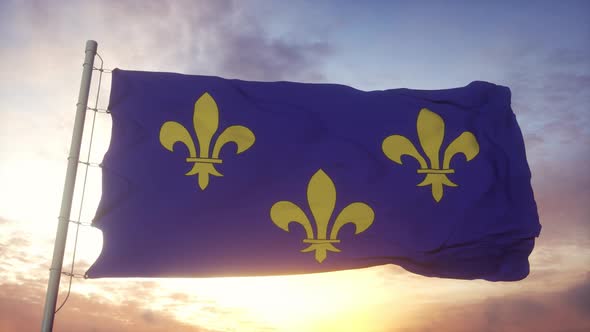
336, 301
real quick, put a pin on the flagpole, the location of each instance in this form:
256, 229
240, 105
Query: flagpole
68, 193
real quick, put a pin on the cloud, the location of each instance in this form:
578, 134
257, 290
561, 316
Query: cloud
561, 193
41, 68
201, 37
579, 297
550, 93
550, 86
523, 311
16, 257
498, 313
265, 59
21, 310
569, 57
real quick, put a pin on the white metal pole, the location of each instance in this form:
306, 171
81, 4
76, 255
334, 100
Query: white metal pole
68, 193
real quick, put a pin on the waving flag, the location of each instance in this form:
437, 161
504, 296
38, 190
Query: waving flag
210, 177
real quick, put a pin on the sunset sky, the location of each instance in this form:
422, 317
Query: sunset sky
540, 49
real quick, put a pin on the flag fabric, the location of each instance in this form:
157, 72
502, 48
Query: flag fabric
210, 177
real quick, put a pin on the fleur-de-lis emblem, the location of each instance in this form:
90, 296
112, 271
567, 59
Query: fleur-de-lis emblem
431, 131
321, 196
206, 124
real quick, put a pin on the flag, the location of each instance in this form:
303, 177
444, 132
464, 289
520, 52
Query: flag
210, 177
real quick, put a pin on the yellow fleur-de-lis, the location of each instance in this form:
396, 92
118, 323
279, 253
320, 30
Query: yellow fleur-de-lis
431, 131
321, 196
206, 124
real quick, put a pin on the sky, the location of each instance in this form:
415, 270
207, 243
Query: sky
540, 49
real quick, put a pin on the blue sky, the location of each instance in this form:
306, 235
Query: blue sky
540, 49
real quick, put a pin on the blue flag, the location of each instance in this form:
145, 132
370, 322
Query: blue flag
208, 177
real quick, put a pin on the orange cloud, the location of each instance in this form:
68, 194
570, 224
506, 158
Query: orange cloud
21, 308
